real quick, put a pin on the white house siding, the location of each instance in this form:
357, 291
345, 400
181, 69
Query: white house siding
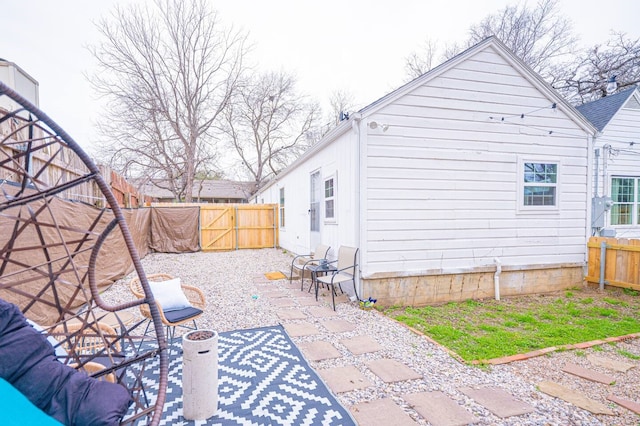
431, 193
625, 159
442, 182
338, 159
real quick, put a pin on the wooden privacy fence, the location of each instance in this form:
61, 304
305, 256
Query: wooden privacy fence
238, 226
615, 262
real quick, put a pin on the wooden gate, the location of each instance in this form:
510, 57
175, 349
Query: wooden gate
238, 226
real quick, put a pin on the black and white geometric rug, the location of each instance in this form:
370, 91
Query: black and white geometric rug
263, 379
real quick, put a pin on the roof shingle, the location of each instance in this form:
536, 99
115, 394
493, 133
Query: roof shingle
601, 111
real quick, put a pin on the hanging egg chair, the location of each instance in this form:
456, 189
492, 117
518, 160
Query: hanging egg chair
64, 240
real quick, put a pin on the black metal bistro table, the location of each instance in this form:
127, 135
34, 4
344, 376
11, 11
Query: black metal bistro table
323, 268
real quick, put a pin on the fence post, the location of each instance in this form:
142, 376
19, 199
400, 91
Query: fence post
603, 259
275, 224
200, 227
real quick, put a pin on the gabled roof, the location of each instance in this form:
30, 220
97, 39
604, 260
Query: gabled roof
601, 111
493, 42
525, 70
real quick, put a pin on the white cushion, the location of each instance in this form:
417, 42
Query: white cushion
169, 294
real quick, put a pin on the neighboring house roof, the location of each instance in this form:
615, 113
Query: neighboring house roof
209, 189
533, 77
601, 111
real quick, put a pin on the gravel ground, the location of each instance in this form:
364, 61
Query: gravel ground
235, 301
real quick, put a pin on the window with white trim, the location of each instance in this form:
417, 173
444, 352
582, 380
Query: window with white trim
281, 207
625, 193
540, 184
330, 198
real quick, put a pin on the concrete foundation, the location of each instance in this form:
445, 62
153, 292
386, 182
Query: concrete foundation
435, 288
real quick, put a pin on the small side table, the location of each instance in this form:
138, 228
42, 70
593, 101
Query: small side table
320, 269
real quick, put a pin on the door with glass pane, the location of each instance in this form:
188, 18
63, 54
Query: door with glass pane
314, 210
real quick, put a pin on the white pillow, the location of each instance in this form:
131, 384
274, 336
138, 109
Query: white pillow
169, 294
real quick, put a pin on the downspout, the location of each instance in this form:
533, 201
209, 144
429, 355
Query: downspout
596, 173
496, 277
355, 125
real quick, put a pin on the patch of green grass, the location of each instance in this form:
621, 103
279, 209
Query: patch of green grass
478, 330
629, 355
603, 311
630, 292
547, 316
614, 302
524, 318
573, 310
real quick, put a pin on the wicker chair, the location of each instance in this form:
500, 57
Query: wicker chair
176, 318
58, 217
97, 342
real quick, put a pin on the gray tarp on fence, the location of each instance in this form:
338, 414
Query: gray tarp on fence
67, 233
175, 230
162, 229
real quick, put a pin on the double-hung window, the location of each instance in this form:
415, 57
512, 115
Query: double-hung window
625, 193
540, 184
330, 198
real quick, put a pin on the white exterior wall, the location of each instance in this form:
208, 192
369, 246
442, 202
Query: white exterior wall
443, 183
338, 159
624, 160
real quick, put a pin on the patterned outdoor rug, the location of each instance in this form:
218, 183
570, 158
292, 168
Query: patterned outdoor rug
263, 379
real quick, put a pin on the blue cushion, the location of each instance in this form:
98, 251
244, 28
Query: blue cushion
182, 314
17, 410
29, 364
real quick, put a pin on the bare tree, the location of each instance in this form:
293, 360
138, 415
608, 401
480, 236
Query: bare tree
418, 63
540, 36
587, 79
167, 73
342, 104
267, 123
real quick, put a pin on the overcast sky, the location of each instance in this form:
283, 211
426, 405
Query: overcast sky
357, 45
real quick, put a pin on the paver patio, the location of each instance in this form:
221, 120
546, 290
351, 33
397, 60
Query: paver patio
318, 325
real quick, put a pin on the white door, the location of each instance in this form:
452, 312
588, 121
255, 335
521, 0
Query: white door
314, 210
